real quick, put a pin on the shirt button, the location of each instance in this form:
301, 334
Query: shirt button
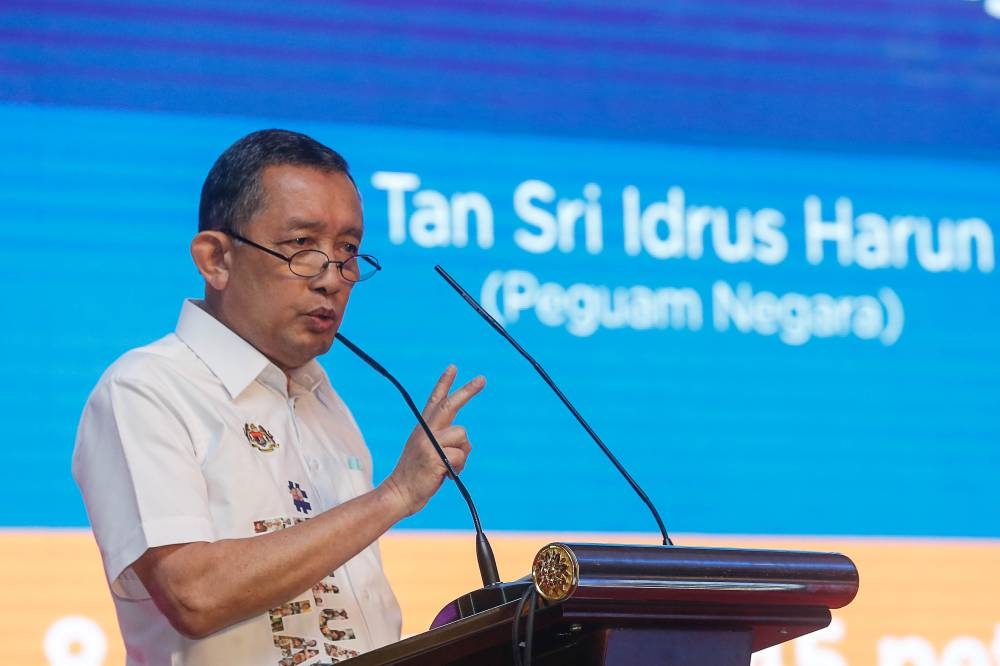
314, 464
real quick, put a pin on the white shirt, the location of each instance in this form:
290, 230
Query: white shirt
197, 437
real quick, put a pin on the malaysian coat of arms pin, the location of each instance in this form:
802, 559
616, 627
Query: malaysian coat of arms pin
259, 437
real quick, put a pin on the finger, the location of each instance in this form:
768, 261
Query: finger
448, 408
457, 454
453, 437
455, 446
440, 390
457, 459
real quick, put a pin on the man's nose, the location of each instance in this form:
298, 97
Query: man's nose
331, 280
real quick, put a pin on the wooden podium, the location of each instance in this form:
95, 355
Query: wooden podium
613, 604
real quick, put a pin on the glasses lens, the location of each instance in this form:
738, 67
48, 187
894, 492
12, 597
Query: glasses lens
360, 267
308, 263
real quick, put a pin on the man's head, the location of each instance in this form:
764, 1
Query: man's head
232, 191
285, 193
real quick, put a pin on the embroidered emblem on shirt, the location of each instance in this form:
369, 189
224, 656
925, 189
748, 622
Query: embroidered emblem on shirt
299, 498
259, 437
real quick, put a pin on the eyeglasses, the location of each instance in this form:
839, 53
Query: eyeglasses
310, 263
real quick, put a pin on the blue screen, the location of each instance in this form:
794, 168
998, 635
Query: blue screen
753, 242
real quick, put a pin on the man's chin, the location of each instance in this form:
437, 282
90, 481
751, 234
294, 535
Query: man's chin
307, 347
319, 345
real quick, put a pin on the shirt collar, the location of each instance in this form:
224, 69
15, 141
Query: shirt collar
235, 361
309, 377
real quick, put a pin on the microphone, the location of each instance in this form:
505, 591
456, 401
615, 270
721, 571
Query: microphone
484, 552
498, 327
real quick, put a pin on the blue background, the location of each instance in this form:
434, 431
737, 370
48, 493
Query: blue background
112, 113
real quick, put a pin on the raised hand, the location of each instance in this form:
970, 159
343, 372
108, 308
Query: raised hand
420, 471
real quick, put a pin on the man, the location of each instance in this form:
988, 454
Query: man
227, 484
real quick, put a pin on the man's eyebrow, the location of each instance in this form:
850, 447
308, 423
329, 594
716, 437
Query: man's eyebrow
301, 224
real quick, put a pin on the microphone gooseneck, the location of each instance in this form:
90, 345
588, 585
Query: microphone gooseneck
484, 552
498, 327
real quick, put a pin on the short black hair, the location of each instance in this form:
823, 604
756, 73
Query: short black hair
232, 190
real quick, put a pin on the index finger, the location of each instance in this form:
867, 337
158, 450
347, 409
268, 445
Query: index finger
440, 391
447, 409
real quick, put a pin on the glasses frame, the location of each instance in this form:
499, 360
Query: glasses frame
369, 259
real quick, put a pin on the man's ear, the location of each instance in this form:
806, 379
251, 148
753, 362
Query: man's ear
211, 253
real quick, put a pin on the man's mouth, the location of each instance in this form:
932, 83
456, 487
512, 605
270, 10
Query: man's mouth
322, 319
323, 313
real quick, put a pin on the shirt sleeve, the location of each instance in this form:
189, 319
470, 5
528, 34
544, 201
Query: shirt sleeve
140, 476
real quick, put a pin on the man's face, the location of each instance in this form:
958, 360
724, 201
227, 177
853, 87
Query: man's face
292, 319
